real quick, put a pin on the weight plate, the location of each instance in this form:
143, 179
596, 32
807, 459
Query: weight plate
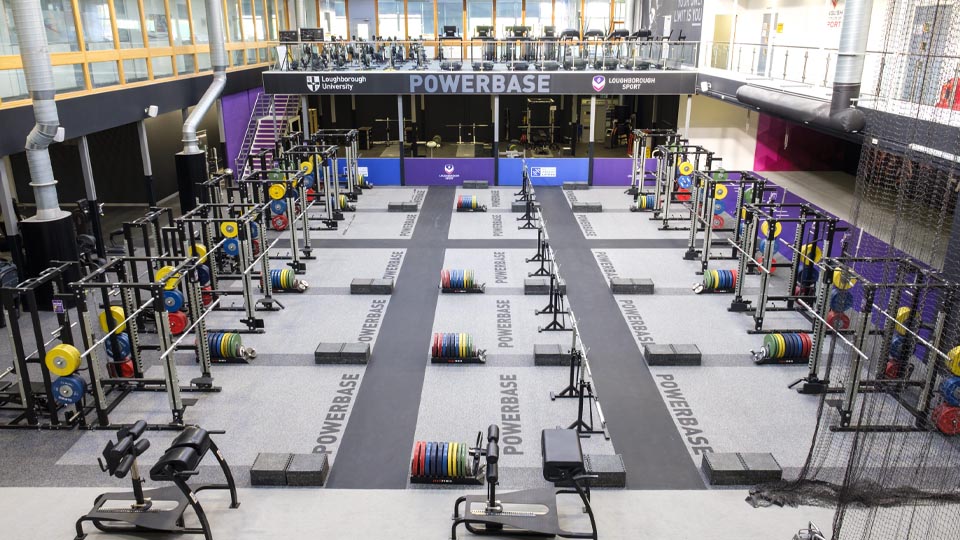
719, 207
683, 195
718, 222
811, 251
203, 274
279, 222
841, 283
947, 419
720, 175
463, 345
117, 317
231, 246
770, 343
178, 322
63, 359
428, 460
808, 276
200, 250
684, 181
278, 207
229, 229
448, 453
433, 346
172, 300
309, 180
716, 278
306, 167
162, 274
797, 345
781, 345
765, 229
841, 300
953, 360
896, 346
123, 343
719, 192
951, 391
413, 460
435, 458
275, 176
903, 316
69, 390
254, 229
685, 168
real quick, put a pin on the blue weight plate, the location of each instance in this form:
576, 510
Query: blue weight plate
254, 229
951, 391
719, 207
203, 274
444, 460
278, 207
796, 345
308, 181
428, 460
231, 247
841, 301
684, 181
727, 279
123, 343
436, 459
217, 342
172, 300
460, 278
446, 345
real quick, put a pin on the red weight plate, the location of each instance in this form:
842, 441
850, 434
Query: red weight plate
206, 296
683, 195
892, 370
734, 274
417, 458
178, 322
844, 321
947, 419
807, 343
717, 222
436, 345
126, 368
279, 222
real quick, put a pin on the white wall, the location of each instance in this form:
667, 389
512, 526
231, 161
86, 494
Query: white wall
728, 130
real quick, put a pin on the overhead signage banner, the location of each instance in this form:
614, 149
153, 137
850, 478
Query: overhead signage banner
396, 83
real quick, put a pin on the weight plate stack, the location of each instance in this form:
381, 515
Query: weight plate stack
69, 390
947, 419
123, 344
951, 391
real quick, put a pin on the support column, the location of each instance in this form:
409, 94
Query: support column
93, 205
403, 178
496, 140
147, 164
593, 122
305, 117
686, 123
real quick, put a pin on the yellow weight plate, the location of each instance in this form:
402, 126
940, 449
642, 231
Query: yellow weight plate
686, 168
953, 364
162, 274
62, 360
811, 250
450, 448
118, 318
277, 191
903, 315
720, 192
765, 229
306, 167
200, 250
229, 229
781, 345
715, 276
841, 283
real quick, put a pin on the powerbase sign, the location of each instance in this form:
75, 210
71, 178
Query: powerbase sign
401, 83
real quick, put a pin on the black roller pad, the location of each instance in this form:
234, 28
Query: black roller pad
575, 185
672, 355
475, 184
586, 207
307, 470
270, 469
736, 469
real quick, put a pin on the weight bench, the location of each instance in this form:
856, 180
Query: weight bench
531, 512
137, 513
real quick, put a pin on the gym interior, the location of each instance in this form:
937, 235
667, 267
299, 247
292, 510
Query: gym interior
320, 268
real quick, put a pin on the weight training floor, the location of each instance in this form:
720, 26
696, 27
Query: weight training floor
283, 402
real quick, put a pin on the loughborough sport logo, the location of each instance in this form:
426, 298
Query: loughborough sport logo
448, 168
448, 173
313, 82
599, 82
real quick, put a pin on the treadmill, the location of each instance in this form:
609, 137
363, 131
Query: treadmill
638, 50
488, 49
570, 45
613, 49
518, 50
547, 50
450, 35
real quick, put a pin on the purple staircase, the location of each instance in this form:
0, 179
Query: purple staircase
269, 121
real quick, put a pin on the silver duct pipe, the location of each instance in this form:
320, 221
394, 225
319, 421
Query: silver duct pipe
301, 14
218, 60
32, 38
851, 53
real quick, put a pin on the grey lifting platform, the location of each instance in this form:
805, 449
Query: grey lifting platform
475, 184
519, 207
619, 285
740, 469
550, 354
540, 286
371, 286
270, 469
403, 207
575, 185
342, 353
298, 470
586, 207
672, 355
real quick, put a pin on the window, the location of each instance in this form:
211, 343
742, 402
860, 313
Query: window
103, 73
128, 25
509, 13
271, 20
180, 20
13, 85
420, 19
251, 56
203, 61
97, 30
338, 25
61, 29
162, 67
8, 45
479, 13
233, 20
156, 15
198, 13
282, 15
135, 70
249, 22
598, 15
236, 58
185, 64
69, 78
539, 14
450, 13
566, 15
390, 19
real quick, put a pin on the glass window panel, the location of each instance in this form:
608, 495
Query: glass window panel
61, 29
390, 18
156, 15
538, 15
338, 26
271, 20
203, 61
128, 24
97, 31
8, 39
509, 13
69, 78
135, 70
185, 64
450, 13
282, 14
104, 74
566, 15
249, 30
620, 12
13, 85
313, 21
198, 13
259, 21
237, 58
233, 20
162, 67
420, 18
479, 13
262, 53
251, 56
180, 20
598, 15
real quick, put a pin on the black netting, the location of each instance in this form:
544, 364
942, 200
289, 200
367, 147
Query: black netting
885, 451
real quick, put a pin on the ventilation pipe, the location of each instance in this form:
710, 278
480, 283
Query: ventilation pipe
32, 38
191, 164
301, 14
851, 53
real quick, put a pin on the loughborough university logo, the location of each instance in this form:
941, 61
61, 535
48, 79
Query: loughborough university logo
448, 168
313, 82
599, 82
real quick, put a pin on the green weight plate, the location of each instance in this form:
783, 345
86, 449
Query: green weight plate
771, 344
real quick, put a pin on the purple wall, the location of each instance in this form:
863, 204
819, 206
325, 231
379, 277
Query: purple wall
236, 115
616, 171
447, 171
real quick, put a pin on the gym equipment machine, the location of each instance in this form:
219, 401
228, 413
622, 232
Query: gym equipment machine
318, 160
643, 142
459, 281
348, 139
455, 348
613, 50
548, 50
517, 49
446, 463
580, 387
450, 36
675, 170
571, 50
531, 512
143, 511
488, 49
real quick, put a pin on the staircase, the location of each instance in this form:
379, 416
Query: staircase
269, 120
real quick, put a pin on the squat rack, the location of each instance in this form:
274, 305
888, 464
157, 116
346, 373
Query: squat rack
673, 160
643, 147
348, 139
